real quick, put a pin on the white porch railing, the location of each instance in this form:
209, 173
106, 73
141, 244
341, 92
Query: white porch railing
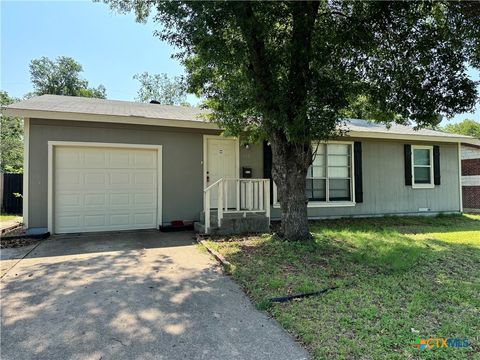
240, 196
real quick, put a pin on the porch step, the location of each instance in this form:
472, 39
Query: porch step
228, 215
235, 223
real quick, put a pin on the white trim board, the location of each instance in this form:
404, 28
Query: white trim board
472, 180
50, 193
26, 164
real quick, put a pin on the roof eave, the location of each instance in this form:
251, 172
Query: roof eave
407, 137
191, 124
138, 120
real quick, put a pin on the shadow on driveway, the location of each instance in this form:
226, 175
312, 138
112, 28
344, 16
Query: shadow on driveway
142, 295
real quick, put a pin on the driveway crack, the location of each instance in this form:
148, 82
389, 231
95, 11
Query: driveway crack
120, 341
23, 257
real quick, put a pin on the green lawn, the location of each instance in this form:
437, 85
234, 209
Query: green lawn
395, 274
8, 217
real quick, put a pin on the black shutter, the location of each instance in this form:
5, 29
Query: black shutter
267, 166
436, 165
408, 164
357, 160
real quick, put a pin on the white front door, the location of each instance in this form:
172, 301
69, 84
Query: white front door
221, 162
104, 189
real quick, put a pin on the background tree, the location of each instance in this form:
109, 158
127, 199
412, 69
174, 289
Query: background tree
288, 70
11, 139
159, 87
61, 77
466, 127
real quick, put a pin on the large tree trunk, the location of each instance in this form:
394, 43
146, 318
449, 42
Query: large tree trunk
289, 170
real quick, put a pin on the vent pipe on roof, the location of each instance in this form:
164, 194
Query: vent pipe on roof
154, 102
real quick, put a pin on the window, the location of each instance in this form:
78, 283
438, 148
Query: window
422, 166
329, 178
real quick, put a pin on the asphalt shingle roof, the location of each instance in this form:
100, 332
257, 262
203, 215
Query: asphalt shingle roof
91, 106
369, 126
82, 105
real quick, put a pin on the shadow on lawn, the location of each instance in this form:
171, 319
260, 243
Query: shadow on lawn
354, 247
388, 282
416, 224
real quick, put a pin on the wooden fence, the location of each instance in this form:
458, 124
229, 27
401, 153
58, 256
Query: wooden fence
11, 184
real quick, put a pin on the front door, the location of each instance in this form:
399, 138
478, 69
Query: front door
221, 162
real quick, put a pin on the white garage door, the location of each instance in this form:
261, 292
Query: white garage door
104, 189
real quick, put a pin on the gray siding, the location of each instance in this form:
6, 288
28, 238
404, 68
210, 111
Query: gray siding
383, 170
253, 158
384, 190
182, 171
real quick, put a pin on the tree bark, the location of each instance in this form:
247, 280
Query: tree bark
290, 162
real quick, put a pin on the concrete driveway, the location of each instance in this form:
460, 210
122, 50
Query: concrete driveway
136, 295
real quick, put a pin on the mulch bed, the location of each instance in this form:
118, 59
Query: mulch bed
14, 243
18, 238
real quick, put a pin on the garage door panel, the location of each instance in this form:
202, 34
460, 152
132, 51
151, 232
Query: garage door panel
69, 221
144, 178
68, 158
94, 159
95, 200
144, 199
120, 159
120, 219
144, 219
119, 199
119, 179
69, 200
121, 195
95, 220
94, 179
72, 179
145, 160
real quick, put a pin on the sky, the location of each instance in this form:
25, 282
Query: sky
111, 47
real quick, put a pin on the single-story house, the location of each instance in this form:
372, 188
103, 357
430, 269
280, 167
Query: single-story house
471, 175
97, 165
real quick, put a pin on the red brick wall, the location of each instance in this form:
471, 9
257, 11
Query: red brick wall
471, 197
470, 167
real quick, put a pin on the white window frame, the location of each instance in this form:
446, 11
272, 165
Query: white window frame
430, 185
316, 204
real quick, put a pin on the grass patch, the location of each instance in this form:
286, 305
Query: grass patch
395, 274
9, 217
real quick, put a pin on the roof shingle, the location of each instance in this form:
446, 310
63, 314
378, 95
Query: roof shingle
92, 106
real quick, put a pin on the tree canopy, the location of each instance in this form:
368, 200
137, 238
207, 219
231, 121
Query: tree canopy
161, 88
11, 139
61, 77
288, 71
466, 127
